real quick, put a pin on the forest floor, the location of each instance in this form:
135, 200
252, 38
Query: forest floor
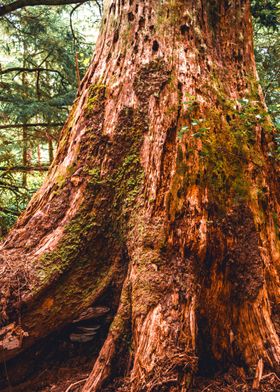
58, 366
63, 366
70, 375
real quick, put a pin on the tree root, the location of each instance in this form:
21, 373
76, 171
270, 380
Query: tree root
103, 365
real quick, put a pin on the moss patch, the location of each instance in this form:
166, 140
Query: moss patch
96, 96
217, 146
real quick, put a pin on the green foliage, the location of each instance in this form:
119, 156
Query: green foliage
38, 82
266, 13
182, 132
267, 54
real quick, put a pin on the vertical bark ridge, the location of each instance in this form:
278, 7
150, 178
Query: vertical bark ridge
114, 345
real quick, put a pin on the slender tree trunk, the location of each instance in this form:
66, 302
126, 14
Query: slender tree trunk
25, 155
39, 157
164, 182
25, 160
49, 129
50, 148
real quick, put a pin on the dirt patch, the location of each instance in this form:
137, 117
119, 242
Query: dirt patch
233, 381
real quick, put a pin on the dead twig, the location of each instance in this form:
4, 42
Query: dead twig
270, 374
208, 386
258, 376
75, 383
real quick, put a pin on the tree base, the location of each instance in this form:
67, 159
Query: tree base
66, 366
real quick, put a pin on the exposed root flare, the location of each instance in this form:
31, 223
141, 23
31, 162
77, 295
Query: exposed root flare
103, 365
177, 372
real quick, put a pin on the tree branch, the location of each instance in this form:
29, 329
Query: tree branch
9, 211
25, 168
8, 126
100, 6
19, 4
23, 69
15, 189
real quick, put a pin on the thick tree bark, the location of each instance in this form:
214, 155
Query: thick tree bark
164, 179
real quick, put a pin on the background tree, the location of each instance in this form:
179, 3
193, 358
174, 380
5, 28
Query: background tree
267, 52
39, 72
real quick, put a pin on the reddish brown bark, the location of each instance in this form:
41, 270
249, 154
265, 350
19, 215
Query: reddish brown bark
165, 174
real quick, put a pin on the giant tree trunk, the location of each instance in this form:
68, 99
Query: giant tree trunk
164, 182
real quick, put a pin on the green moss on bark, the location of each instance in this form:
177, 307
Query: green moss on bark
218, 146
96, 96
